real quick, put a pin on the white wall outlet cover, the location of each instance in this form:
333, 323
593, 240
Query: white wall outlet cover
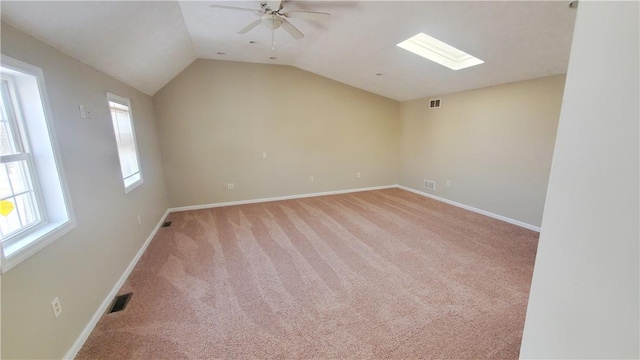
310, 178
57, 308
230, 186
264, 154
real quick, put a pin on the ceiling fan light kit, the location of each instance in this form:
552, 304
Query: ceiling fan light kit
271, 21
273, 17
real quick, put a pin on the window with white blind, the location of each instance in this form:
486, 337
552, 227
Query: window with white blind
34, 206
120, 109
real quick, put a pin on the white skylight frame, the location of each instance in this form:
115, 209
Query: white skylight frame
439, 52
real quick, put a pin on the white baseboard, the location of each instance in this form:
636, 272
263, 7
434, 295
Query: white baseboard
300, 196
475, 210
77, 345
278, 198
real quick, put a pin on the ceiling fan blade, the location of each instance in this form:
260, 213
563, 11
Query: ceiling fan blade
234, 8
246, 29
274, 5
292, 30
308, 15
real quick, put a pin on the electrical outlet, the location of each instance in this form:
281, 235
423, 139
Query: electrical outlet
310, 178
230, 186
139, 220
358, 175
448, 183
264, 155
57, 308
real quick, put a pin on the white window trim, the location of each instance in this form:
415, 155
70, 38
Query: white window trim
34, 241
125, 101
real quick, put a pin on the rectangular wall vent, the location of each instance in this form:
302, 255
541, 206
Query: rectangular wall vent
430, 185
167, 223
434, 104
119, 303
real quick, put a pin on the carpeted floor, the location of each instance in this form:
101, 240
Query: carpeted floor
378, 274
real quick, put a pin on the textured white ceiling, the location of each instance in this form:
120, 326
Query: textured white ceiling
146, 44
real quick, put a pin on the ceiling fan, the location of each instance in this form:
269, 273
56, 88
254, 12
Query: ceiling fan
273, 16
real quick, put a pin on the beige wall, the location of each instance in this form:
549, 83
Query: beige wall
216, 118
81, 267
494, 145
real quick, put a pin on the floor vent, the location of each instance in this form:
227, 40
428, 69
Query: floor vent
119, 303
167, 223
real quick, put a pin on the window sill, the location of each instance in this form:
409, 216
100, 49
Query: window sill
30, 244
129, 188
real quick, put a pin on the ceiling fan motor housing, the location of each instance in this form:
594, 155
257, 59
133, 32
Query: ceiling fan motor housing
274, 17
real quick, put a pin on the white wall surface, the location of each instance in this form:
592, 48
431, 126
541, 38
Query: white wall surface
81, 267
584, 296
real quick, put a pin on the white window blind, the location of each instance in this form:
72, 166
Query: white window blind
126, 141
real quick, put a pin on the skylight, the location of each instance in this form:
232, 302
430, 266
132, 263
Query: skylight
439, 52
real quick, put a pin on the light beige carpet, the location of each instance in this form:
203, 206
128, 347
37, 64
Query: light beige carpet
378, 274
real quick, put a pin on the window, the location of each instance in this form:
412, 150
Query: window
19, 207
126, 141
34, 210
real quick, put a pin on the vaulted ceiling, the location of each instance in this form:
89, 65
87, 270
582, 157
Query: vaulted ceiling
145, 44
